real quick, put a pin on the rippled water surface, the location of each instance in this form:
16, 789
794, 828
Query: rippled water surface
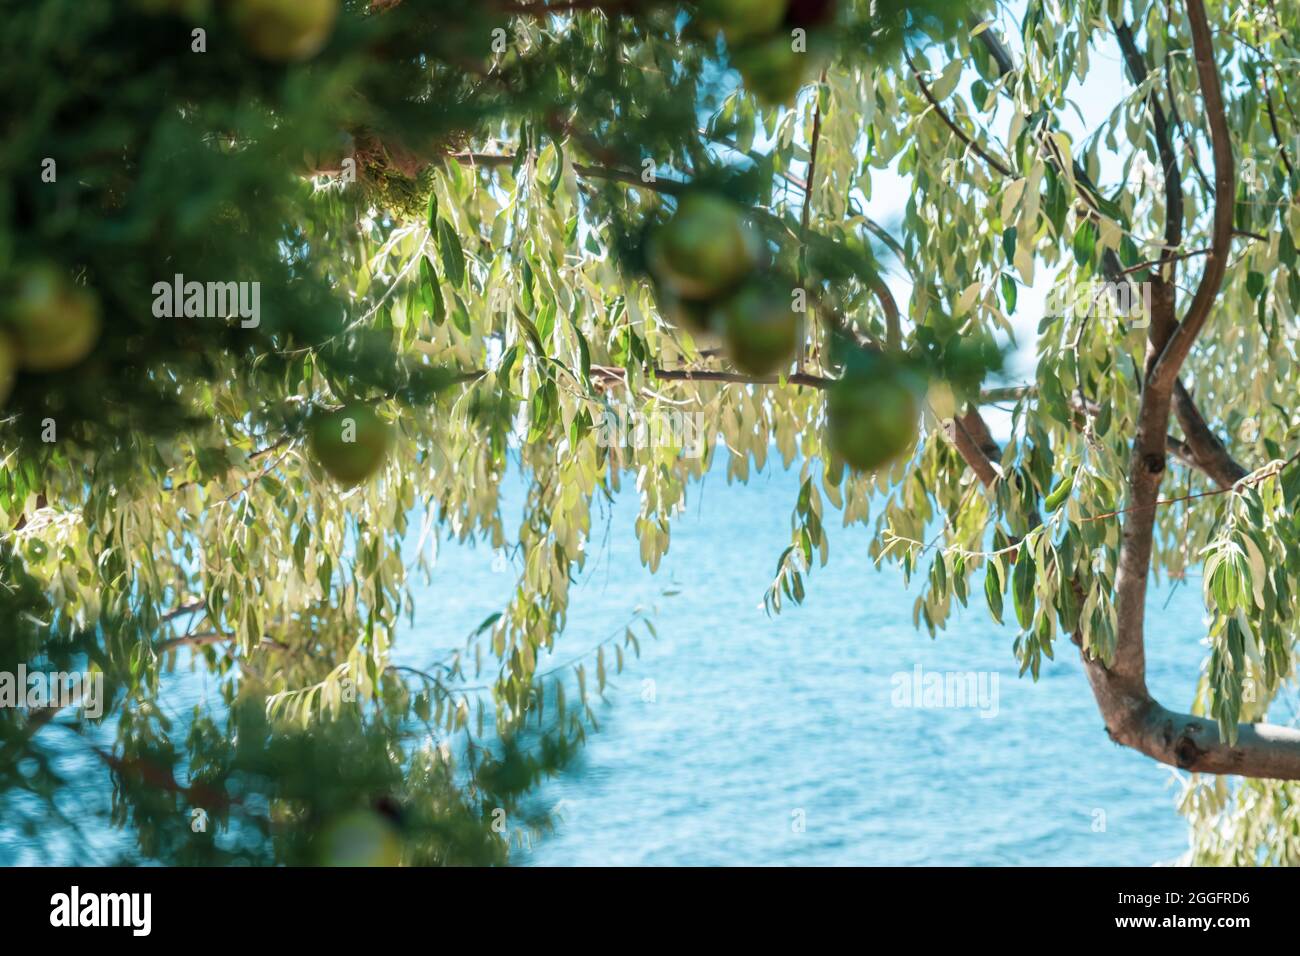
759, 723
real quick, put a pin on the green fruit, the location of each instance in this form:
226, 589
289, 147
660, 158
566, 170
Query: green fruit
362, 838
285, 30
54, 323
8, 366
741, 20
773, 70
761, 327
872, 419
350, 443
1061, 491
705, 249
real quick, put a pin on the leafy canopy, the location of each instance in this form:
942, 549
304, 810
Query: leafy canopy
474, 265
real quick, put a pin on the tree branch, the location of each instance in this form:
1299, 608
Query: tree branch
613, 373
1132, 717
1188, 742
1179, 345
893, 325
957, 130
1203, 450
805, 218
1208, 453
975, 444
1277, 133
1137, 68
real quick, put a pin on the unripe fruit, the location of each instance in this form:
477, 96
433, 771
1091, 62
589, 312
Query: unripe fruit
54, 323
705, 249
872, 419
350, 443
285, 30
761, 327
362, 838
773, 70
741, 20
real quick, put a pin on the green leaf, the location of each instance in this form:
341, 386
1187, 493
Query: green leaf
584, 355
453, 257
431, 291
1254, 284
530, 331
1085, 242
947, 82
1059, 493
1022, 587
1010, 292
993, 591
460, 318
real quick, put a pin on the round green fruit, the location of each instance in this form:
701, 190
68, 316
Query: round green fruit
285, 30
773, 70
349, 443
872, 420
361, 839
54, 323
741, 20
762, 329
706, 249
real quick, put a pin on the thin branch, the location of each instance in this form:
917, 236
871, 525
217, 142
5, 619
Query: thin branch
1163, 260
1188, 140
957, 130
611, 373
183, 609
193, 640
893, 322
968, 432
1277, 134
260, 453
806, 217
713, 375
1137, 67
1203, 450
1208, 453
1245, 482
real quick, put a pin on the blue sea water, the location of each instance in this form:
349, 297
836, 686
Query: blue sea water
777, 741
